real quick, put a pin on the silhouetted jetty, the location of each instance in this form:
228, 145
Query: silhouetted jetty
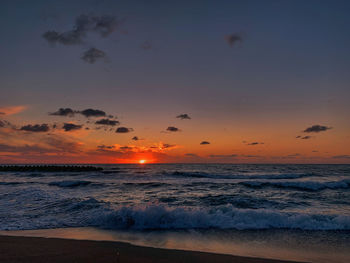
48, 168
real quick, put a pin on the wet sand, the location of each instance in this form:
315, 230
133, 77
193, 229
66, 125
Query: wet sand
36, 249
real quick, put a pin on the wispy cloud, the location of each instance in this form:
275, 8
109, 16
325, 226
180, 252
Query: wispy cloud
10, 110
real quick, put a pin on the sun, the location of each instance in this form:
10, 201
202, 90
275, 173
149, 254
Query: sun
142, 161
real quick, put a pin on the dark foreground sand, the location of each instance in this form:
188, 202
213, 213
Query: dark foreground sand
35, 249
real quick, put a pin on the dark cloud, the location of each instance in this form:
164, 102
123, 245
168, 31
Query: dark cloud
255, 143
123, 130
146, 45
183, 116
306, 137
63, 112
345, 156
106, 147
251, 156
92, 113
204, 143
172, 129
103, 25
36, 128
107, 122
234, 38
92, 55
135, 138
71, 127
223, 155
126, 148
317, 128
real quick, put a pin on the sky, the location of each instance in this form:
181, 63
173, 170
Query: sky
174, 81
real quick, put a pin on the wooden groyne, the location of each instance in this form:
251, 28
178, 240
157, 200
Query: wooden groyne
49, 168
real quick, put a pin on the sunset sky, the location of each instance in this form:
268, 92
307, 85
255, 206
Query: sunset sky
174, 81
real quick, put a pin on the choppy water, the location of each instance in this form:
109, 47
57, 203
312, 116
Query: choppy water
180, 196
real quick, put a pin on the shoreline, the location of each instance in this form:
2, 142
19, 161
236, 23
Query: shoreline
43, 249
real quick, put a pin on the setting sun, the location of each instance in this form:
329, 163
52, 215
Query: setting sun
142, 161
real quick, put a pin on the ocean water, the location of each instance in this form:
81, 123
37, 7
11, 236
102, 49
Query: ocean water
206, 198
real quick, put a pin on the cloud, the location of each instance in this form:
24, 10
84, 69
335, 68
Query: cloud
204, 143
223, 155
345, 156
63, 112
107, 122
135, 138
92, 55
317, 128
172, 129
103, 25
71, 127
306, 137
234, 38
183, 116
92, 113
123, 130
255, 143
104, 147
10, 110
35, 128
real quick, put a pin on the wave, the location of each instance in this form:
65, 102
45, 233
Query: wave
70, 183
73, 212
305, 185
237, 176
228, 217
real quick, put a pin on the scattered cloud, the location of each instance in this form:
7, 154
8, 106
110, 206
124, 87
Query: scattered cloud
306, 137
103, 25
123, 130
92, 113
35, 128
135, 138
172, 129
183, 117
107, 122
204, 143
317, 128
63, 112
10, 110
92, 55
234, 39
71, 127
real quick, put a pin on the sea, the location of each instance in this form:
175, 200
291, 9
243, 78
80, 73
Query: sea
299, 212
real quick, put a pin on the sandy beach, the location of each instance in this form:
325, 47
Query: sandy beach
35, 249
